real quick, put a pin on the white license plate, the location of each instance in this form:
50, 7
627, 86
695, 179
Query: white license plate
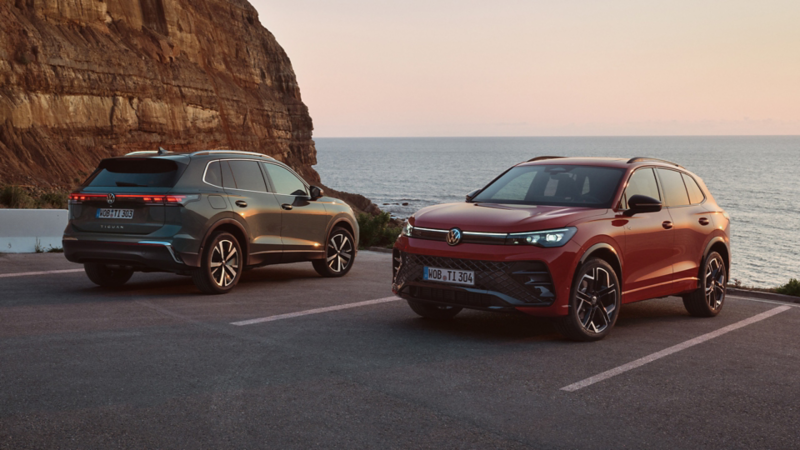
114, 213
466, 277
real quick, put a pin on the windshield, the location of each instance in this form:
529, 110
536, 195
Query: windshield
126, 172
554, 185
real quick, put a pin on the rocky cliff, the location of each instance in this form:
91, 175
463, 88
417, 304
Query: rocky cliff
81, 80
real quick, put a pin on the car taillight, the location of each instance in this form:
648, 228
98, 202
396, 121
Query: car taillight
78, 198
164, 199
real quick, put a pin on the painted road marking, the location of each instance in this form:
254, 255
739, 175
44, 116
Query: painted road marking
674, 349
315, 311
761, 300
27, 274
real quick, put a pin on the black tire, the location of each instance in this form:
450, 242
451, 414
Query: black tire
436, 312
340, 254
107, 276
708, 299
222, 264
594, 302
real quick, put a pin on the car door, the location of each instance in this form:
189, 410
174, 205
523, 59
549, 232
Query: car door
244, 183
304, 224
648, 246
691, 225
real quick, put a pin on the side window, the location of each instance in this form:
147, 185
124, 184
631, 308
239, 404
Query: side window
248, 176
285, 182
695, 193
674, 189
642, 182
213, 174
228, 181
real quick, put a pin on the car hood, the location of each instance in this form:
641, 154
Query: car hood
500, 218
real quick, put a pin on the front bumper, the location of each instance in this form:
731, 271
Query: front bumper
507, 278
143, 255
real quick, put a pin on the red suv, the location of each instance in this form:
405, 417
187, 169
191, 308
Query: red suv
570, 238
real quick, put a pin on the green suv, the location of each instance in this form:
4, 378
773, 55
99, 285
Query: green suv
209, 214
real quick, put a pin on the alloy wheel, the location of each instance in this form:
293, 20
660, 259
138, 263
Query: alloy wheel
224, 263
340, 252
715, 283
597, 300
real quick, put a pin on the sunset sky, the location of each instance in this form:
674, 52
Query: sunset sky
543, 68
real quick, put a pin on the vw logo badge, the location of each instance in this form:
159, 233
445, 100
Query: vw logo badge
110, 198
454, 236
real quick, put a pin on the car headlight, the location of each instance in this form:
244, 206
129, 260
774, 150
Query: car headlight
547, 238
407, 229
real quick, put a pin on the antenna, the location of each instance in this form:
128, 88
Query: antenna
162, 151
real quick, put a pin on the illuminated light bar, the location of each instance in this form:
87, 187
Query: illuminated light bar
148, 199
85, 197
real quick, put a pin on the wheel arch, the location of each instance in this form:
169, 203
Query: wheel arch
607, 253
343, 222
233, 227
719, 245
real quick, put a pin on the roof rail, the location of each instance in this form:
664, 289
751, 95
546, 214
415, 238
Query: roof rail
229, 152
142, 152
542, 158
644, 158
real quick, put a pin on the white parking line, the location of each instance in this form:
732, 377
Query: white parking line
315, 311
48, 272
760, 300
674, 349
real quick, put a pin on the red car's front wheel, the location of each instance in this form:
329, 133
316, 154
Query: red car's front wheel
594, 302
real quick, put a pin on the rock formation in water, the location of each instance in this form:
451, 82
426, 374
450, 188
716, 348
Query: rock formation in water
82, 80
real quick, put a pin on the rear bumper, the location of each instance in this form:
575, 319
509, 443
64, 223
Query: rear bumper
143, 255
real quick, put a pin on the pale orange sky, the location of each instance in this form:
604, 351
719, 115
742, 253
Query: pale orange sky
543, 68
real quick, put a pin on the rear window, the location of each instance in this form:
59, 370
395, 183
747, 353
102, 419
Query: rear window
135, 173
554, 185
695, 193
674, 189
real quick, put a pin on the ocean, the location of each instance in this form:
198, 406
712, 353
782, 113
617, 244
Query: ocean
754, 178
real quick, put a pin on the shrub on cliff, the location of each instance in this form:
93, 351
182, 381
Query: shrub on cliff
15, 197
376, 231
790, 288
57, 200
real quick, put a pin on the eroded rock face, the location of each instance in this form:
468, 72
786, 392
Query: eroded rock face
82, 80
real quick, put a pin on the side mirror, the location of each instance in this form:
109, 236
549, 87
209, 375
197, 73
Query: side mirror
472, 195
316, 192
642, 204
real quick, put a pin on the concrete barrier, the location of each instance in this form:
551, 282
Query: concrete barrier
26, 230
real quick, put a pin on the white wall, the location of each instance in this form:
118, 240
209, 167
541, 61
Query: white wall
20, 229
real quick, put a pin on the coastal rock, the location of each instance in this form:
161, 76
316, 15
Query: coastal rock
82, 80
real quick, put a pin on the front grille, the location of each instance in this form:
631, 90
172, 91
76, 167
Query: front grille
525, 281
467, 237
452, 296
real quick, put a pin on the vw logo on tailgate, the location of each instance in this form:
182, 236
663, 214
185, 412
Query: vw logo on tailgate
453, 236
110, 198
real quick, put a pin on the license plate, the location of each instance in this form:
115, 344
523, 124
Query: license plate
465, 277
114, 213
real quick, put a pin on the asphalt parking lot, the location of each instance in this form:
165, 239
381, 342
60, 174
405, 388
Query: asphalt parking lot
275, 365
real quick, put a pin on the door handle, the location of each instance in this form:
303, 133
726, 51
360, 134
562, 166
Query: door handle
287, 206
703, 221
667, 225
241, 203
